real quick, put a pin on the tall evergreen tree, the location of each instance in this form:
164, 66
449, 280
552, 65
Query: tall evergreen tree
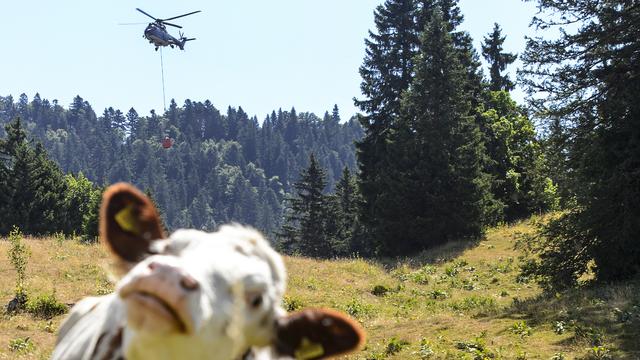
346, 200
498, 60
589, 75
33, 185
435, 187
386, 72
306, 215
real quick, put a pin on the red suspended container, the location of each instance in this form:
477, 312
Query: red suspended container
167, 142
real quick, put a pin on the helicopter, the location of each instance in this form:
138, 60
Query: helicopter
157, 34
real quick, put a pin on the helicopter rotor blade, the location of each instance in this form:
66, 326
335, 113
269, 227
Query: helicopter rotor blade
137, 23
183, 15
170, 24
142, 11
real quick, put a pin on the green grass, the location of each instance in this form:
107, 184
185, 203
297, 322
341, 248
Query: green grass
460, 301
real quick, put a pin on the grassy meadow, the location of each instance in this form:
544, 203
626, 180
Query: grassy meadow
460, 301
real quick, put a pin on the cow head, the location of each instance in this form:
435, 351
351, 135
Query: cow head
208, 295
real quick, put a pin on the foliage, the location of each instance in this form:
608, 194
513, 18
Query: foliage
498, 60
306, 219
221, 167
437, 155
477, 348
292, 304
82, 202
32, 186
517, 165
46, 306
395, 345
19, 255
21, 345
520, 328
583, 85
425, 351
358, 309
380, 290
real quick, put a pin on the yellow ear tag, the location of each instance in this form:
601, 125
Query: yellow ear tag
309, 350
127, 220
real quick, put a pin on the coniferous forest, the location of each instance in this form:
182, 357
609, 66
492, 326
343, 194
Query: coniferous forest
440, 150
220, 167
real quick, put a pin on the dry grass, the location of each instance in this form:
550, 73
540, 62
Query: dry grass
461, 301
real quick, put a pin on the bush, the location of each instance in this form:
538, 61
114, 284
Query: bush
521, 328
21, 345
292, 304
394, 346
46, 306
358, 309
18, 255
380, 290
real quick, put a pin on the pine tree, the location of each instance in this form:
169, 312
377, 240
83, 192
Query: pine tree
435, 187
498, 60
346, 200
386, 72
33, 185
306, 215
589, 75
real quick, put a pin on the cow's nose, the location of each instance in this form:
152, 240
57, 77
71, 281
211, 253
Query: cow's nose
186, 281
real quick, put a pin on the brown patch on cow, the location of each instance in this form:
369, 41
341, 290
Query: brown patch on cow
129, 241
108, 351
115, 345
317, 333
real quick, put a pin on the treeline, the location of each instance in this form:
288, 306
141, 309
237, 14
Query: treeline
36, 197
447, 152
220, 167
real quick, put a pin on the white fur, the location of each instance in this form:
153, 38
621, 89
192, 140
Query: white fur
232, 266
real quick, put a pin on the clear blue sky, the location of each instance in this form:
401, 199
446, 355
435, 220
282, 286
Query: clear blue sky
261, 55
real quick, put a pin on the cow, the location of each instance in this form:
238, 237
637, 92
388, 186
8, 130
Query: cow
194, 295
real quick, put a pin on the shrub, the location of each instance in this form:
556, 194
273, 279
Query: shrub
478, 303
380, 290
292, 304
358, 309
394, 346
438, 294
18, 255
521, 328
600, 353
425, 352
477, 347
21, 345
593, 336
46, 306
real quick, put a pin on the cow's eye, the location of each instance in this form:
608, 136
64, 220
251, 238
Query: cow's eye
254, 300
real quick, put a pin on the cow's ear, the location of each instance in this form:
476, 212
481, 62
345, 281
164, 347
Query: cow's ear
317, 334
129, 222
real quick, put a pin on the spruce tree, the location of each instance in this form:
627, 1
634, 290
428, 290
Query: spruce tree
304, 231
34, 186
589, 77
435, 187
498, 60
346, 200
386, 73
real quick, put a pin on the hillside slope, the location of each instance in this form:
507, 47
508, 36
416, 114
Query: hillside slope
457, 302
